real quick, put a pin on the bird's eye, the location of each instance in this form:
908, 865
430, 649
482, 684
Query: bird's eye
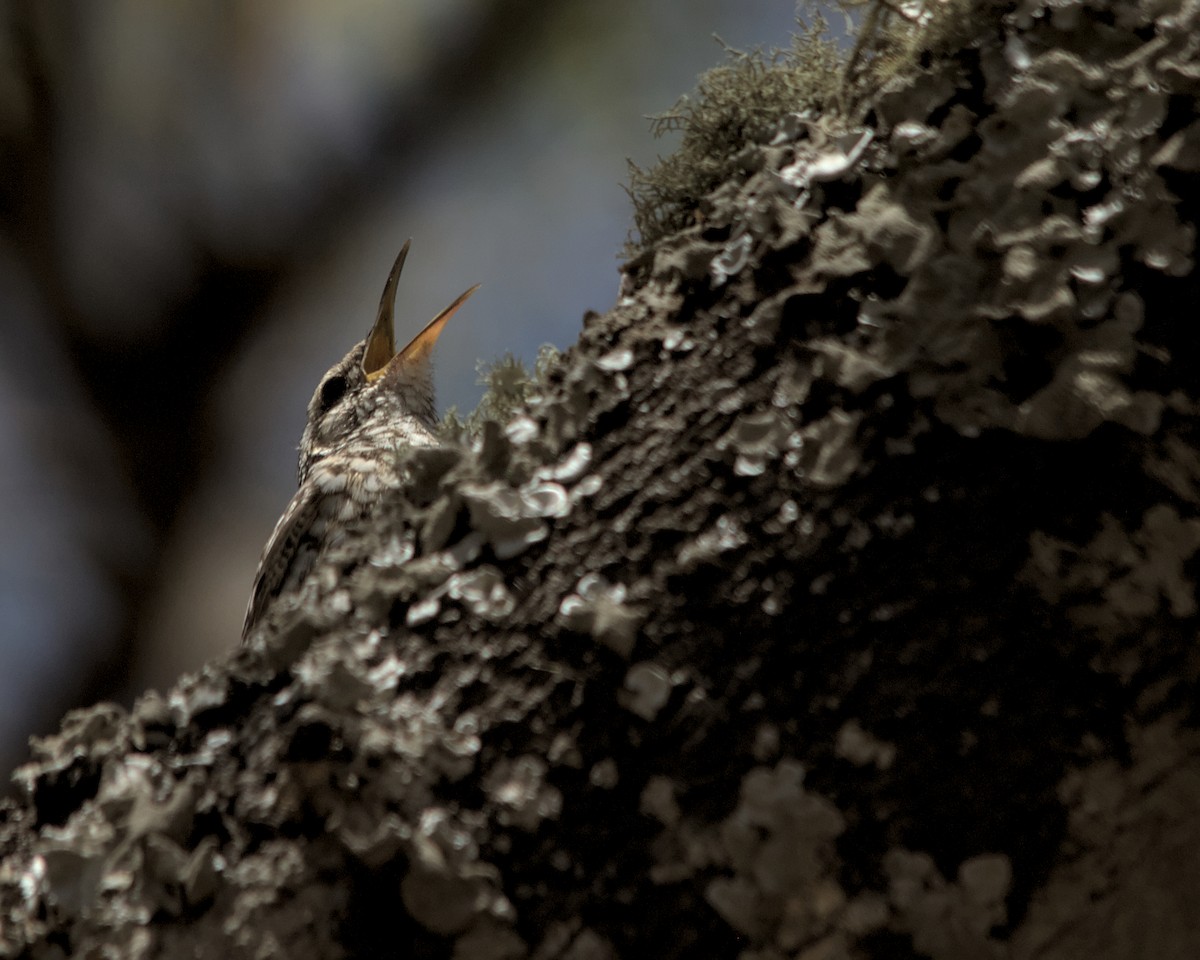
332, 390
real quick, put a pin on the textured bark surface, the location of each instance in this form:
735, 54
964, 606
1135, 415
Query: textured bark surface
836, 600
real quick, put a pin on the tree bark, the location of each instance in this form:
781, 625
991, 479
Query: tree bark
836, 599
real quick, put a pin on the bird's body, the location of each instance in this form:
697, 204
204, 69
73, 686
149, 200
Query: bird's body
369, 406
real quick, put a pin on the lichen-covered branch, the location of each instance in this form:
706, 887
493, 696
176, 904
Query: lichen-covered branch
836, 598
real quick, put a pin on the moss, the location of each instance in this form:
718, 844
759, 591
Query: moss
893, 41
741, 102
735, 103
509, 385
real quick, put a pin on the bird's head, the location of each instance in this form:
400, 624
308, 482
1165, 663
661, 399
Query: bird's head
374, 383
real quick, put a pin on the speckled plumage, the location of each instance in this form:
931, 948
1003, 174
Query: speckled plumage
371, 403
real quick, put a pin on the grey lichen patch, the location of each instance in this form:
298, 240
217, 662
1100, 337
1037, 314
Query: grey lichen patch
779, 882
890, 233
440, 900
829, 452
510, 520
132, 854
490, 940
276, 912
1124, 886
858, 746
600, 608
658, 801
568, 941
519, 788
648, 687
724, 536
949, 920
754, 439
1175, 463
70, 754
1122, 579
482, 591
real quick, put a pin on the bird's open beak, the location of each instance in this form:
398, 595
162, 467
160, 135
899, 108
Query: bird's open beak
380, 352
381, 341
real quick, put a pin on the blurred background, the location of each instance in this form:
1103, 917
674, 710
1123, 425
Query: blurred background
201, 202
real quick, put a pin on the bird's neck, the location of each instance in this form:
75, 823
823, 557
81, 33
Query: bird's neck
366, 447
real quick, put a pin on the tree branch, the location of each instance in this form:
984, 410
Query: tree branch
834, 600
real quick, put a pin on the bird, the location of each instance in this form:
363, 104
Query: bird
371, 403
